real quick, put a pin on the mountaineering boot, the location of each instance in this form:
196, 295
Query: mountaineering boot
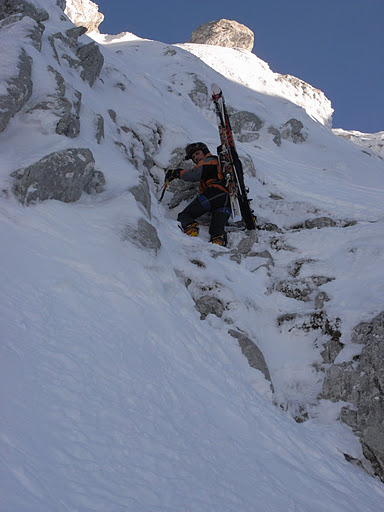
219, 240
192, 229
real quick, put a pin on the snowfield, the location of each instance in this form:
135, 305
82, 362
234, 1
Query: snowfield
116, 395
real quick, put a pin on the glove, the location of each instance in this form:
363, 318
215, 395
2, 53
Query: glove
172, 174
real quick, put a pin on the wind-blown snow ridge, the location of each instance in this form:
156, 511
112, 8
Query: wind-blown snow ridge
257, 75
118, 396
374, 142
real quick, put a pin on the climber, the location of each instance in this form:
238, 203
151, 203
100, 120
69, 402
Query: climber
212, 197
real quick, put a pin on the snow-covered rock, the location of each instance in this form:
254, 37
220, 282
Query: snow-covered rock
61, 175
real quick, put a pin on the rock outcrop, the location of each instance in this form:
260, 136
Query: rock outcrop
227, 33
252, 352
143, 236
24, 8
18, 84
84, 13
62, 175
360, 382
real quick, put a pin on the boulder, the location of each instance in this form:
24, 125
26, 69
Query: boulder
84, 13
91, 60
319, 223
62, 175
292, 130
209, 305
246, 126
144, 236
227, 33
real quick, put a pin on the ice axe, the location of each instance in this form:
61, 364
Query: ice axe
165, 186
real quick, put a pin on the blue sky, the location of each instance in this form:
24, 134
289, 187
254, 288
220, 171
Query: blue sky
335, 45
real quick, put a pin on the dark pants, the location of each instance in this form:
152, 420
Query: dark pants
213, 200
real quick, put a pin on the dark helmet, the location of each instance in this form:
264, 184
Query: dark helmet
195, 146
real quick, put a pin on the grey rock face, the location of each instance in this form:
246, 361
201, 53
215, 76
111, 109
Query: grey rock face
199, 94
208, 304
292, 130
276, 135
145, 236
301, 289
33, 29
252, 352
332, 348
69, 123
246, 125
320, 299
99, 128
227, 33
61, 175
88, 57
361, 383
142, 194
138, 143
92, 60
19, 91
340, 382
9, 7
97, 183
315, 320
74, 33
246, 244
19, 87
319, 223
65, 105
368, 333
248, 165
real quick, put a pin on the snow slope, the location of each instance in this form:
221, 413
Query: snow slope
117, 396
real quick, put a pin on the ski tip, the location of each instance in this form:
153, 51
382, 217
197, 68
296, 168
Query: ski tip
216, 91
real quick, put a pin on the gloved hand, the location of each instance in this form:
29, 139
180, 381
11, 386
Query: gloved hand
172, 174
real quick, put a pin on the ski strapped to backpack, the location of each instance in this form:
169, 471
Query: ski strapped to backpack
231, 164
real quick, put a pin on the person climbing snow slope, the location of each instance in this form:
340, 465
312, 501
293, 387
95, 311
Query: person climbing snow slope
212, 195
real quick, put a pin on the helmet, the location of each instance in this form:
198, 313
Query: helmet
195, 146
